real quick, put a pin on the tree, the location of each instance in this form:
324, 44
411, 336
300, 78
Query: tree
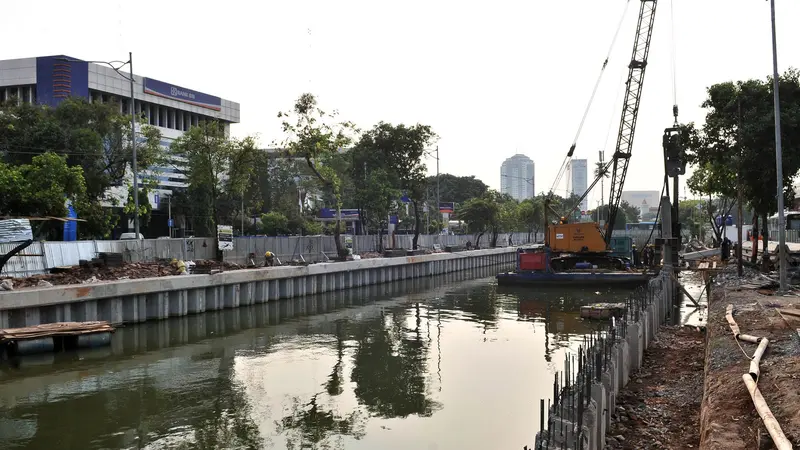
401, 149
317, 142
455, 189
737, 138
375, 181
482, 215
218, 170
531, 215
41, 188
94, 136
274, 224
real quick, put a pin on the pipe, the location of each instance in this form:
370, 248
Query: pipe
770, 423
754, 370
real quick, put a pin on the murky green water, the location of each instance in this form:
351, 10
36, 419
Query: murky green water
442, 363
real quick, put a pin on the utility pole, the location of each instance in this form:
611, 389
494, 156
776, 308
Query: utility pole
782, 257
441, 217
739, 212
133, 153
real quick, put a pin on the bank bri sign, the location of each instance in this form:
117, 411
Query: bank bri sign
170, 91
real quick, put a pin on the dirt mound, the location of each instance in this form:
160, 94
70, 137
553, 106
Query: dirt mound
83, 275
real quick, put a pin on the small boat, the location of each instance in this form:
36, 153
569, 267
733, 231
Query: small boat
534, 268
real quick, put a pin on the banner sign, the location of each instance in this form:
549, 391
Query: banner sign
330, 213
447, 207
170, 91
225, 237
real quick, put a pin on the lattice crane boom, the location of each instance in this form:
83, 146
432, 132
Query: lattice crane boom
630, 109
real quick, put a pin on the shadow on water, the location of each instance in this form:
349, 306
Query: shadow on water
326, 371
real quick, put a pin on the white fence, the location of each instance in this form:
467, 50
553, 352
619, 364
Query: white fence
41, 256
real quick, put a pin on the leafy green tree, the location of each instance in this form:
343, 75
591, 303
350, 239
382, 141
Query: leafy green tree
274, 224
737, 139
218, 170
41, 188
309, 136
482, 215
145, 208
404, 147
531, 215
456, 189
94, 136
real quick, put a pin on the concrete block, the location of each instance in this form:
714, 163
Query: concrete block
178, 303
157, 306
196, 301
110, 310
262, 292
247, 293
231, 295
134, 308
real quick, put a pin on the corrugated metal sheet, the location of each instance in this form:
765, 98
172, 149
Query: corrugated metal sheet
23, 266
15, 230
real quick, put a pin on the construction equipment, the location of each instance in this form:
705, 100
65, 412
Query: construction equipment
582, 241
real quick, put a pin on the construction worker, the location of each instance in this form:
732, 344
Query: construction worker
635, 256
269, 259
563, 221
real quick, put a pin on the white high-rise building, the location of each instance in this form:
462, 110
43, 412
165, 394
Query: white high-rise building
516, 177
577, 177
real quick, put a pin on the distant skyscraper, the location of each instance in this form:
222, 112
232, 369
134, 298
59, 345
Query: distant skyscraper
516, 177
577, 177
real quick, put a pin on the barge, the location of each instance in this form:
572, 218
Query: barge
534, 267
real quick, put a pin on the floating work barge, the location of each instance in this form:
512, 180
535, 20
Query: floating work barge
534, 268
54, 337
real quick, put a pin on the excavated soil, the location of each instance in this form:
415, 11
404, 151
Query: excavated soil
729, 420
660, 407
80, 275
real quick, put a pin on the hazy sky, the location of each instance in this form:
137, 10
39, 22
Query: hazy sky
492, 78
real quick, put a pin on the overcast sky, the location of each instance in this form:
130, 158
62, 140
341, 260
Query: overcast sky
492, 78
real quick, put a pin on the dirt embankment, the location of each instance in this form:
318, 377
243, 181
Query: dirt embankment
660, 407
81, 275
729, 420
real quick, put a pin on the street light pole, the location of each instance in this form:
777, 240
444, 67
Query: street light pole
778, 157
133, 153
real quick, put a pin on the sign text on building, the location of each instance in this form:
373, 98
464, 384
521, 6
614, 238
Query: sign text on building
166, 90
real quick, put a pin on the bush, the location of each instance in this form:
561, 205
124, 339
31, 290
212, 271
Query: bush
274, 224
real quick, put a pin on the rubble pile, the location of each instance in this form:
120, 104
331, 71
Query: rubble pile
92, 273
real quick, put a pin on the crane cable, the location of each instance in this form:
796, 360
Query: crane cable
674, 63
563, 168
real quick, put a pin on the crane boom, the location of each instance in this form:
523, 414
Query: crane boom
630, 109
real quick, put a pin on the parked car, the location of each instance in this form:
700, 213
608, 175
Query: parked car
129, 236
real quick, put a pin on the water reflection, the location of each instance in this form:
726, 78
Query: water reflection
412, 364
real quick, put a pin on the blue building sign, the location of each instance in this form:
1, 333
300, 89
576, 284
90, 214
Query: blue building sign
330, 213
171, 91
60, 77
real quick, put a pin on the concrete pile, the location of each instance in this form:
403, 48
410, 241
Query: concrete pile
585, 393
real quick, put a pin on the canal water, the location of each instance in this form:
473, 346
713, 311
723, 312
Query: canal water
445, 363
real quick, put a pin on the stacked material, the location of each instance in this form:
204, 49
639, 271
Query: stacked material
602, 310
54, 329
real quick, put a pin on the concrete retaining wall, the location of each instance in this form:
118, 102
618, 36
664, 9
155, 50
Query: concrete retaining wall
582, 414
131, 301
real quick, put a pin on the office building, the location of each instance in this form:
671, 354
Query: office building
517, 177
171, 108
577, 179
644, 200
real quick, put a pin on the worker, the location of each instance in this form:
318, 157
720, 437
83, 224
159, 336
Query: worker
726, 248
646, 256
269, 259
635, 256
563, 221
